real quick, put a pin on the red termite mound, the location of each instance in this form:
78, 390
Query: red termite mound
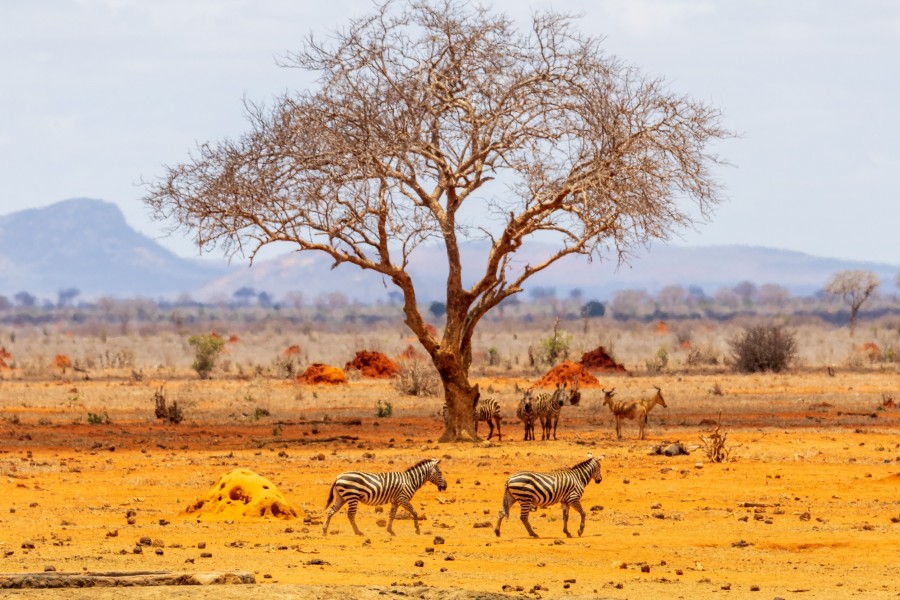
599, 359
570, 373
319, 373
373, 364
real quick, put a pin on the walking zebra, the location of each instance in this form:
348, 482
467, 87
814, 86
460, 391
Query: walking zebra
545, 489
525, 413
488, 409
396, 487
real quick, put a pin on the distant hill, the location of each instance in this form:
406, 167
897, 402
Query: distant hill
709, 267
87, 244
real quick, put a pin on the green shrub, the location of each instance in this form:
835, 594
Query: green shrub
383, 409
763, 348
206, 350
555, 347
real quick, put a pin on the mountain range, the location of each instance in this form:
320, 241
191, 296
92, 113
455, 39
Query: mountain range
87, 245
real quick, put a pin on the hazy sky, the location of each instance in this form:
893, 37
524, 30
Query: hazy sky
98, 94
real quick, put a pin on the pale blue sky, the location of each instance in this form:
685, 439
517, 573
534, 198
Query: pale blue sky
98, 94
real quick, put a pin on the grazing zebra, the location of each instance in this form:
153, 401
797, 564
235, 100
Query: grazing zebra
525, 413
545, 489
396, 487
488, 409
633, 409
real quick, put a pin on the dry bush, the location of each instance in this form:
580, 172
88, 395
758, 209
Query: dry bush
170, 413
763, 348
417, 378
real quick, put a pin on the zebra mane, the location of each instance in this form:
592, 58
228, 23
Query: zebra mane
584, 462
420, 463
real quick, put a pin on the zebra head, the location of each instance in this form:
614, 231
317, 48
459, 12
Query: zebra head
594, 463
435, 476
527, 403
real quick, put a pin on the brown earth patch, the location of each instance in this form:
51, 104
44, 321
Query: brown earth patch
599, 359
568, 373
373, 365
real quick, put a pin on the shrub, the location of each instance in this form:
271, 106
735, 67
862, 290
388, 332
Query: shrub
555, 347
417, 378
383, 409
206, 350
171, 413
98, 419
763, 348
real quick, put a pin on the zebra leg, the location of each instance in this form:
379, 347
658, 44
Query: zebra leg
405, 504
490, 423
555, 422
565, 509
351, 514
527, 508
508, 501
499, 435
338, 503
576, 504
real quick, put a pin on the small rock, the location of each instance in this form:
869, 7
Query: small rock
159, 551
201, 545
145, 541
49, 569
206, 555
437, 540
420, 563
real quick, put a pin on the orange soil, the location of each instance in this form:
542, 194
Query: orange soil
808, 507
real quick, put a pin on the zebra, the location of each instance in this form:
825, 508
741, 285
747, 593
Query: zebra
565, 486
549, 405
525, 413
396, 487
488, 409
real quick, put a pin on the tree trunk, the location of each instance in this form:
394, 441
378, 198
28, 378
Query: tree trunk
460, 397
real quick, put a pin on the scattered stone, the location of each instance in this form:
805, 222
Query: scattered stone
438, 540
420, 563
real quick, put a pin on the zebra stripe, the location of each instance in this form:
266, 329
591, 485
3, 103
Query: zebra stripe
525, 412
488, 409
547, 407
564, 486
395, 487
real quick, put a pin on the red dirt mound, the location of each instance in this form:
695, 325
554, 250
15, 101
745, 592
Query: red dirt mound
568, 372
373, 364
599, 359
319, 373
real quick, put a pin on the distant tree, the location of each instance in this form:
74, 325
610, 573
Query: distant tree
747, 291
24, 299
592, 309
855, 287
772, 294
416, 109
264, 299
631, 303
66, 296
671, 296
437, 309
5, 304
728, 298
542, 294
244, 296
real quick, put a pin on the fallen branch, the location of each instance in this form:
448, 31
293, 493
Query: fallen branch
120, 578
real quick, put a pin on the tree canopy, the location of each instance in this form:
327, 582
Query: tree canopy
439, 120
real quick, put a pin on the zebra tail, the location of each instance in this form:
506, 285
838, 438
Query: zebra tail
330, 496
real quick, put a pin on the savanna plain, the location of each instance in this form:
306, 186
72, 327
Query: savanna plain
805, 504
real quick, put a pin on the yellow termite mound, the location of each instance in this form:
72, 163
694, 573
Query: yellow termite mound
241, 494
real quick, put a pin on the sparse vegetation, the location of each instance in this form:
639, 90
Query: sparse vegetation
383, 409
171, 413
206, 350
98, 419
417, 378
763, 348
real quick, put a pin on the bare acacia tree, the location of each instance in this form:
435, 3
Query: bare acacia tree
417, 109
854, 287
